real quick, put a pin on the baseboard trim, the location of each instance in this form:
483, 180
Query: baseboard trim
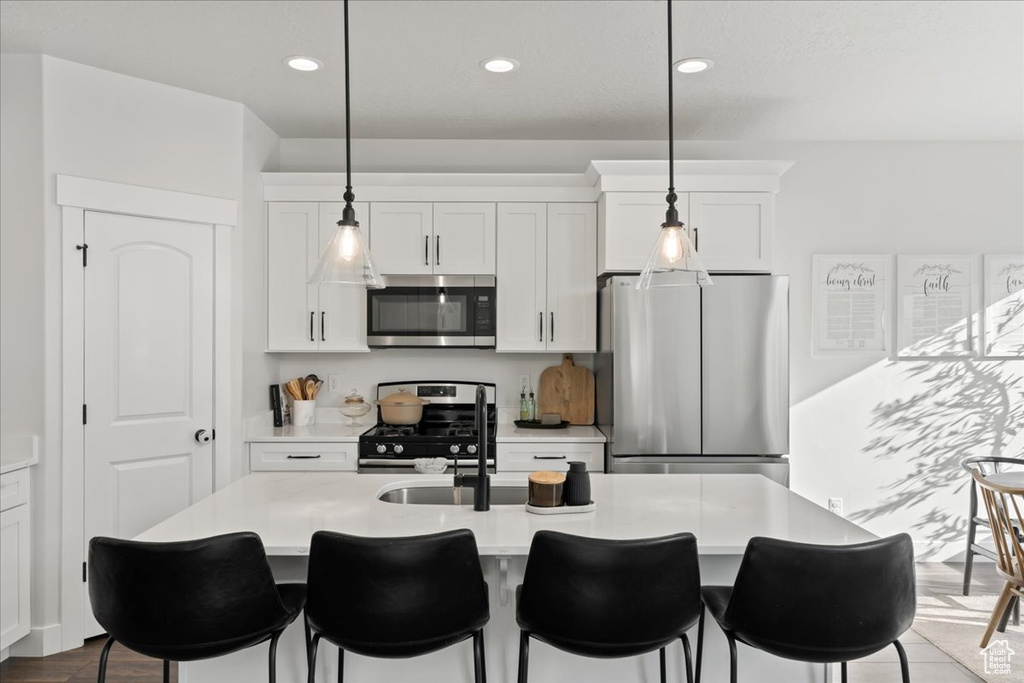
41, 641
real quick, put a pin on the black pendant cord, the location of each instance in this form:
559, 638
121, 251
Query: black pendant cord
671, 215
348, 215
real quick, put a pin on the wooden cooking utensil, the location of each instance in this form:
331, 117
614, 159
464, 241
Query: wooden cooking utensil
309, 389
568, 390
293, 389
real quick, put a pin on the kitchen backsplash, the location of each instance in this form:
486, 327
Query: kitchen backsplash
364, 371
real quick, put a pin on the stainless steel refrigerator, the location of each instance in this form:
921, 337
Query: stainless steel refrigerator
695, 379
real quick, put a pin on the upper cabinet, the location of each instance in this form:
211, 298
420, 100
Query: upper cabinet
547, 268
441, 238
733, 230
628, 225
301, 316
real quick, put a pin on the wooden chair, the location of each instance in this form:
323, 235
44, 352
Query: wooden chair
1005, 506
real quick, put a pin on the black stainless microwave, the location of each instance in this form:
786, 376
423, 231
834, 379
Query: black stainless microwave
432, 310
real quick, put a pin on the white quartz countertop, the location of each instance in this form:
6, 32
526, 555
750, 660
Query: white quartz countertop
327, 432
722, 510
581, 434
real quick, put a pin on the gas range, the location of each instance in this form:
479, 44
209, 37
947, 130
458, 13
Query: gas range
448, 429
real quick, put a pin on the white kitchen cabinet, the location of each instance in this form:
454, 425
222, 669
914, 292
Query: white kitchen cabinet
555, 455
547, 295
733, 230
403, 242
15, 552
443, 238
627, 228
283, 456
464, 238
301, 316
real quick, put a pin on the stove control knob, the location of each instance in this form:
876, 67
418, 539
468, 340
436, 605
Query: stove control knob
454, 449
381, 448
399, 448
471, 449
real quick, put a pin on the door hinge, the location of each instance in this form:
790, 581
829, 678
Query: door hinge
84, 575
84, 248
85, 414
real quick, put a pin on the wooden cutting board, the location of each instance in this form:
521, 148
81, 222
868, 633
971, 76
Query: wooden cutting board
567, 390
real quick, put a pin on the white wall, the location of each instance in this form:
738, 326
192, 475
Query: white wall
873, 432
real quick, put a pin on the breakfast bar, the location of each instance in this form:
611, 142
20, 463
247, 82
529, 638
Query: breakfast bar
722, 511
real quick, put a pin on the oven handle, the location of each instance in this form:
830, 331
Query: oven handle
404, 462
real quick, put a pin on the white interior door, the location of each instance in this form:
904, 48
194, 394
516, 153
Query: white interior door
148, 372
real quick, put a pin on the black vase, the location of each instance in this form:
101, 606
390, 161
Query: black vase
577, 484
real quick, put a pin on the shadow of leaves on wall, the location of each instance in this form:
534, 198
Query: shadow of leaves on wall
957, 409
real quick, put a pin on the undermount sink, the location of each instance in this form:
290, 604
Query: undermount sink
445, 495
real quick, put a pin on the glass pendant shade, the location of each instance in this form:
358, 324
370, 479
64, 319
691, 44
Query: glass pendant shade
674, 262
346, 260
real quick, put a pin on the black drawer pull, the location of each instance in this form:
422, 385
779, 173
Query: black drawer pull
549, 457
303, 457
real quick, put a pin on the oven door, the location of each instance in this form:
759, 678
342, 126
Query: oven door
430, 311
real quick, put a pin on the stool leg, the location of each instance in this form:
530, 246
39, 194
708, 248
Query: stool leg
700, 640
341, 665
313, 642
689, 661
104, 653
661, 664
904, 666
479, 667
842, 675
732, 657
167, 671
524, 656
1016, 612
273, 655
305, 628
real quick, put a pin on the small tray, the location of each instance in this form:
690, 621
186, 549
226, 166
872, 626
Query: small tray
562, 509
537, 424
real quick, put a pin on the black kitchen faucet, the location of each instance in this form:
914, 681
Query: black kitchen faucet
481, 481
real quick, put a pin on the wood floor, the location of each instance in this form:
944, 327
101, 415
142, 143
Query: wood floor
927, 663
80, 666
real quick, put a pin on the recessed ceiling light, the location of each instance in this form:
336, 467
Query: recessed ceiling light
303, 63
693, 65
500, 65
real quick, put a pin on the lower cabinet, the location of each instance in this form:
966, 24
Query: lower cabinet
15, 551
280, 456
554, 455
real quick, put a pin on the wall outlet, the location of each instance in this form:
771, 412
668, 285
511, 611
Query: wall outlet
835, 506
524, 384
333, 384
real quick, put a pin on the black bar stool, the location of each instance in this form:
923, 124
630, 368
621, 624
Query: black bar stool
819, 603
396, 597
189, 600
604, 598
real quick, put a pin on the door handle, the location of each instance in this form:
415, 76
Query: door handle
540, 326
311, 337
552, 326
426, 250
323, 331
437, 251
203, 436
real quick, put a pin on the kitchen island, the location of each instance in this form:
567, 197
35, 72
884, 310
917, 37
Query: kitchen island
722, 511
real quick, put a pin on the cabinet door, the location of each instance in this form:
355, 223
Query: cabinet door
628, 228
293, 247
572, 273
733, 230
341, 313
15, 550
522, 277
464, 237
402, 237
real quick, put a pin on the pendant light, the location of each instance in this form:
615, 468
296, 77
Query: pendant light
674, 261
346, 260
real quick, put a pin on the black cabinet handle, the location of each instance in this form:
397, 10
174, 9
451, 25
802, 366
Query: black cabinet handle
426, 250
311, 337
540, 326
696, 238
323, 331
437, 250
552, 326
549, 457
303, 457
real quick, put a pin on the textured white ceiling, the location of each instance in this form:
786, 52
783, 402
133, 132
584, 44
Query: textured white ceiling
839, 70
